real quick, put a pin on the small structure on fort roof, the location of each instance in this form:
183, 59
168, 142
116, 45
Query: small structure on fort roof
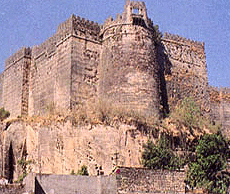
120, 61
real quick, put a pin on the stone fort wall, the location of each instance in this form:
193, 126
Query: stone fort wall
185, 70
15, 82
119, 61
128, 66
220, 107
63, 69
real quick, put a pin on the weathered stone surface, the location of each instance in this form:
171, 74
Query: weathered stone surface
220, 108
125, 180
140, 180
15, 85
185, 70
63, 147
82, 63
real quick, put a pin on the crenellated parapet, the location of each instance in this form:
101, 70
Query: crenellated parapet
183, 40
85, 28
185, 70
23, 52
184, 50
48, 47
74, 26
134, 14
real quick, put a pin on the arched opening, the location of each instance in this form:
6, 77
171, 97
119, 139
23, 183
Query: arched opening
135, 11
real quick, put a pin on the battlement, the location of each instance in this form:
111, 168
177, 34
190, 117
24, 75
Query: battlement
23, 52
48, 47
135, 13
72, 26
182, 40
85, 28
218, 94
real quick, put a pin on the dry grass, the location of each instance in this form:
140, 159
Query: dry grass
187, 115
100, 112
185, 119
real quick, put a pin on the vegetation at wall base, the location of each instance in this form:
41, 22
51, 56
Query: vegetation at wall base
188, 113
160, 156
83, 171
208, 169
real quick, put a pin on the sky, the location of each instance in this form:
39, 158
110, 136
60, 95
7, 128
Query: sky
29, 23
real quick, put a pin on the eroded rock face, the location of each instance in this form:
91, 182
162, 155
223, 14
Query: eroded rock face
13, 148
62, 147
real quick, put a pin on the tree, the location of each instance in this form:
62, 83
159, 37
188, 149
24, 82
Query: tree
207, 171
160, 156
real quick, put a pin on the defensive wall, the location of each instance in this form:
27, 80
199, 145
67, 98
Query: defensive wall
64, 67
120, 61
84, 62
185, 70
128, 66
220, 107
15, 82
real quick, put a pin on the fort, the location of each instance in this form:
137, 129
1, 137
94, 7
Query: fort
121, 61
125, 61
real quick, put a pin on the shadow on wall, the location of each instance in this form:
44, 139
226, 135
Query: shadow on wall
10, 164
164, 69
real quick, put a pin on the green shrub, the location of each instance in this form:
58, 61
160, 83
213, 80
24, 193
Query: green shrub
188, 113
4, 114
23, 163
72, 172
83, 171
160, 156
207, 171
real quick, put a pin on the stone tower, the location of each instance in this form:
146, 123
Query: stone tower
128, 67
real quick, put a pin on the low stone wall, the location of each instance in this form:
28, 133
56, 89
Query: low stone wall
126, 181
141, 180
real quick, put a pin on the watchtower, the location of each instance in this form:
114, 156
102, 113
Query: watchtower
128, 67
135, 12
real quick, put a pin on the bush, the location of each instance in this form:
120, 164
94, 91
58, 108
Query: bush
83, 171
189, 114
4, 114
160, 156
23, 163
207, 171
